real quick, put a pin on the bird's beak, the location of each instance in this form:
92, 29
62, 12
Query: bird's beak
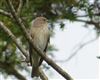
48, 21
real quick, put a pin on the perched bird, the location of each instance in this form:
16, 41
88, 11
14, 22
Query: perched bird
40, 34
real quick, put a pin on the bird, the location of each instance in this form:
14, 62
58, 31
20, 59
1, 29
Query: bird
40, 35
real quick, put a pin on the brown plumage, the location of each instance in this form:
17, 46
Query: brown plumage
40, 34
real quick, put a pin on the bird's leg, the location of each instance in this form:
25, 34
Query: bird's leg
41, 59
26, 61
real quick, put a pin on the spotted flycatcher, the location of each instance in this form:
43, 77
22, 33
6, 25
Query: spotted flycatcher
40, 34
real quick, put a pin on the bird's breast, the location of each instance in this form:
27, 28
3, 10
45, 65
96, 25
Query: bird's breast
40, 37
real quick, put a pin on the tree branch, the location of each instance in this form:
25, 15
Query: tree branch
20, 7
96, 14
5, 13
13, 38
80, 20
97, 25
28, 37
42, 75
11, 70
80, 46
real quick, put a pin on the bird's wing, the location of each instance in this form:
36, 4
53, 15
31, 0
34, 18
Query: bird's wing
48, 41
41, 59
30, 51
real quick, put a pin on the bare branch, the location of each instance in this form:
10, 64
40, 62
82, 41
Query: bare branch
5, 13
27, 3
20, 7
80, 46
96, 24
96, 14
13, 38
42, 75
85, 21
28, 37
11, 70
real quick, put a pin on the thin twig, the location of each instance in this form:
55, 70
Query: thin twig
96, 14
27, 3
5, 13
11, 70
96, 24
13, 38
42, 75
77, 50
20, 7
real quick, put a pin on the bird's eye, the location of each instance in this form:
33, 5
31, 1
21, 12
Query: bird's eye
44, 19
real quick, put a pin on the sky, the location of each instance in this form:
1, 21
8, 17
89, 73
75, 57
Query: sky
84, 65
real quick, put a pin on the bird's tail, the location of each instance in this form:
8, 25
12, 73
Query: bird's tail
35, 72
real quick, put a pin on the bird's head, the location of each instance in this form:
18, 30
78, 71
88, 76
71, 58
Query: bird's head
40, 21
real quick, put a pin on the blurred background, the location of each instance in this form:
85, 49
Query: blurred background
74, 43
